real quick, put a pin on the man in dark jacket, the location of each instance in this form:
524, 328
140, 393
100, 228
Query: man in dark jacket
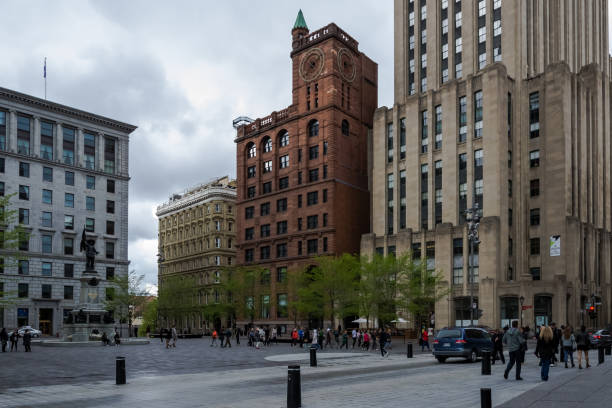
27, 341
498, 347
556, 341
3, 339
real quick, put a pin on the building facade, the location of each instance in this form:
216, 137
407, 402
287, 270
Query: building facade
69, 171
197, 238
302, 171
505, 105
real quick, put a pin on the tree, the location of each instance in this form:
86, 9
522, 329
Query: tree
239, 287
128, 294
12, 234
149, 317
177, 298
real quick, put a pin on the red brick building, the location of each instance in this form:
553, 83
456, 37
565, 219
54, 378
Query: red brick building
302, 172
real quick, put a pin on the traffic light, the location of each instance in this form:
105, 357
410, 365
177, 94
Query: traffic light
592, 312
479, 313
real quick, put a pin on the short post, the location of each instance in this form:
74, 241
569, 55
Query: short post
486, 363
409, 350
609, 349
294, 387
120, 371
485, 398
601, 354
313, 356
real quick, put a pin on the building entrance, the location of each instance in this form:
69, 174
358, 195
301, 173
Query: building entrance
45, 321
542, 305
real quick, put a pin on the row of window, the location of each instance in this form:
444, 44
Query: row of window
312, 198
23, 268
47, 221
283, 182
312, 248
68, 244
264, 301
68, 142
312, 222
192, 215
46, 291
47, 198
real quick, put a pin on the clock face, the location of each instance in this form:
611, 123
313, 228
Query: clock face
346, 64
311, 64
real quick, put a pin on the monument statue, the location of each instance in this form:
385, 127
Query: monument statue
89, 246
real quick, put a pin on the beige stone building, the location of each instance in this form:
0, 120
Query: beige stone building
197, 236
507, 105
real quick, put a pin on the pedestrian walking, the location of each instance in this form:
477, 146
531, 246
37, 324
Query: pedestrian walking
513, 341
301, 337
366, 340
337, 334
373, 335
344, 340
383, 343
228, 337
498, 347
545, 350
237, 337
424, 340
568, 342
4, 339
354, 336
162, 335
294, 337
213, 340
258, 338
117, 338
27, 341
524, 331
174, 336
222, 337
321, 335
556, 342
14, 339
328, 337
274, 336
583, 343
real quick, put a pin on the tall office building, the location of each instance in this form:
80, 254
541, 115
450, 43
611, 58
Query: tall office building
69, 171
302, 171
197, 238
504, 104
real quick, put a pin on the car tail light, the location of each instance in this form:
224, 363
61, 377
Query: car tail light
436, 342
597, 336
461, 341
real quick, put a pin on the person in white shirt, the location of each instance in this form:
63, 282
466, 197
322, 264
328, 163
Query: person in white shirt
354, 335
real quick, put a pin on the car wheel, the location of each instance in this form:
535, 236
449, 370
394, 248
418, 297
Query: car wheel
473, 356
441, 359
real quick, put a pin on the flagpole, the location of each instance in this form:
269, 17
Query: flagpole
45, 75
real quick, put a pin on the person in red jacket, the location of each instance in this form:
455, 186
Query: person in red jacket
424, 340
294, 337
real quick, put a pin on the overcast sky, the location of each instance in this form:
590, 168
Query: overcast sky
181, 71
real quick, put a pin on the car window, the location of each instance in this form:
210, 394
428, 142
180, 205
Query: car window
605, 332
447, 334
486, 335
472, 334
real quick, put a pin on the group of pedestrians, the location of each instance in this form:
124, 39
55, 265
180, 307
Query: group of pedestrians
14, 340
170, 335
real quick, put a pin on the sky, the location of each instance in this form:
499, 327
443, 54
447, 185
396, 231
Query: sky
181, 71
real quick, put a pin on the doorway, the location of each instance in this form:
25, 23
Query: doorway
543, 310
45, 321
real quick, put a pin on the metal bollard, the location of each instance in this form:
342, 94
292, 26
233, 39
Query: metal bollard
409, 350
608, 349
313, 356
486, 363
294, 387
601, 354
120, 371
485, 398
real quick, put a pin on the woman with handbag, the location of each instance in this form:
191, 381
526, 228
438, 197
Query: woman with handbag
568, 342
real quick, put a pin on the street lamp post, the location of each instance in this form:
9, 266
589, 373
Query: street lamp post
472, 217
522, 300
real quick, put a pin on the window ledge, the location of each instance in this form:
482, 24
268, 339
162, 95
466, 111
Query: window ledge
46, 229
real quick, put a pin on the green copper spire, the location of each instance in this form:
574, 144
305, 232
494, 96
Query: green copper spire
300, 22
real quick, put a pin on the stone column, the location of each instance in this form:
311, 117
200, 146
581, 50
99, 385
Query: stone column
100, 152
58, 141
11, 142
79, 148
36, 137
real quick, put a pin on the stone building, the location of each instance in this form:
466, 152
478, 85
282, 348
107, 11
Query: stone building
197, 238
302, 171
505, 105
69, 170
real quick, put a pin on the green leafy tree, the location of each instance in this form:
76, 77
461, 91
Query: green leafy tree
128, 294
149, 317
240, 289
12, 234
177, 298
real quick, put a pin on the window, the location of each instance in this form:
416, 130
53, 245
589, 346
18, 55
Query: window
325, 195
534, 246
265, 230
535, 273
264, 209
251, 172
299, 201
313, 152
24, 241
313, 175
251, 150
509, 159
267, 188
23, 267
402, 138
281, 205
47, 197
345, 127
90, 182
46, 243
284, 139
390, 196
68, 200
23, 135
458, 261
424, 132
251, 192
324, 171
249, 212
267, 146
217, 242
312, 246
424, 196
534, 158
281, 250
23, 290
534, 115
24, 216
110, 293
68, 145
264, 253
68, 246
46, 140
510, 216
47, 174
299, 247
1, 188
324, 244
249, 234
24, 192
462, 119
24, 169
534, 217
110, 207
68, 270
284, 161
299, 224
89, 149
312, 221
281, 303
325, 219
69, 178
312, 198
90, 203
109, 155
46, 268
438, 129
248, 255
299, 177
534, 188
283, 183
509, 188
68, 292
438, 191
47, 219
402, 213
313, 128
90, 224
281, 227
69, 222
389, 142
110, 250
478, 115
110, 227
267, 166
265, 306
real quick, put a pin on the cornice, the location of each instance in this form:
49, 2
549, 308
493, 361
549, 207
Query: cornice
198, 197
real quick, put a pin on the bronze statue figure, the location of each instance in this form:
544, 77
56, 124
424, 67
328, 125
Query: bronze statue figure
89, 246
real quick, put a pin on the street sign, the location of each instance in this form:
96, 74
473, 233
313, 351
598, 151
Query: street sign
525, 307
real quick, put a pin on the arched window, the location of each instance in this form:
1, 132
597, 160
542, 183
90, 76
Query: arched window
345, 127
267, 145
251, 150
283, 138
313, 128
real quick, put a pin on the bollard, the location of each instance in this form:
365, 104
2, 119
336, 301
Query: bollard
486, 363
120, 371
485, 398
608, 349
313, 356
409, 350
294, 387
601, 354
